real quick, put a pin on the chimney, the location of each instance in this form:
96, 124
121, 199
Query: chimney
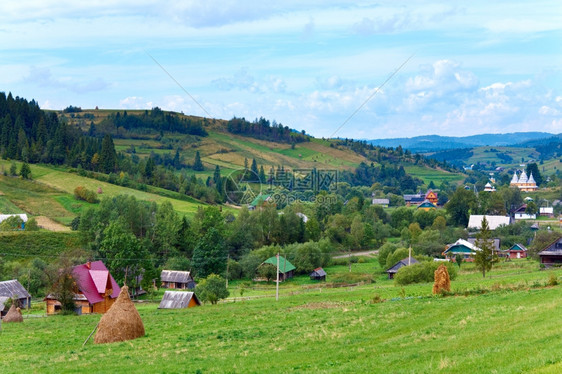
89, 265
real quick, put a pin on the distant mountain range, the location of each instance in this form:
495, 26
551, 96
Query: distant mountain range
431, 143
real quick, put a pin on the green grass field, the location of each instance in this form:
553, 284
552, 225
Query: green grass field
325, 330
437, 176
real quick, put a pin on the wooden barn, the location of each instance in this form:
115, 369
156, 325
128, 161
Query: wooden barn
318, 274
180, 280
95, 292
552, 253
516, 251
466, 249
286, 269
427, 205
13, 289
179, 300
400, 264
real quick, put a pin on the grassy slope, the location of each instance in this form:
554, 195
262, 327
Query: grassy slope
336, 330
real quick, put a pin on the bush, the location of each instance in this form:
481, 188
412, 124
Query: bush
422, 272
212, 289
12, 223
31, 225
397, 255
552, 280
384, 251
82, 193
249, 264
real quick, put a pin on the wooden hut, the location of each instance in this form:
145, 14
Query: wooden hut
516, 251
318, 274
13, 289
286, 269
96, 290
180, 280
552, 254
400, 264
179, 300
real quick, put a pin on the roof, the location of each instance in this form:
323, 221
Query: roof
518, 247
284, 265
496, 243
475, 221
11, 288
176, 276
414, 198
302, 216
4, 217
3, 299
461, 243
94, 280
546, 210
521, 209
177, 300
427, 204
381, 201
554, 248
400, 264
318, 272
260, 199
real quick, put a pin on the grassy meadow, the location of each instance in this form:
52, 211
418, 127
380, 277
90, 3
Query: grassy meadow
505, 324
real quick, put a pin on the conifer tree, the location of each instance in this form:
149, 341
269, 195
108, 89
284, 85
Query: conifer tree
197, 164
485, 257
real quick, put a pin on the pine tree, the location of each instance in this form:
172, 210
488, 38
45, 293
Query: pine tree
217, 179
25, 171
254, 168
108, 157
485, 257
262, 174
197, 164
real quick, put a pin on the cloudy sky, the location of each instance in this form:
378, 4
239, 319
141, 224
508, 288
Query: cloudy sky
309, 64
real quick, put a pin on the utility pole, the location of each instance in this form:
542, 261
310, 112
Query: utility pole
226, 275
277, 286
410, 256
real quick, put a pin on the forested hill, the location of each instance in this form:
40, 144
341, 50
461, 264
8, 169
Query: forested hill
193, 155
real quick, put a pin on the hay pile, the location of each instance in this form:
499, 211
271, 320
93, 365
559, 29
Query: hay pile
121, 322
14, 315
442, 280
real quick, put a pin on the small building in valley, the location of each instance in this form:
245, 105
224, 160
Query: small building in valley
382, 202
463, 247
175, 279
432, 197
95, 292
552, 254
179, 300
516, 251
521, 213
400, 264
22, 217
427, 205
12, 289
475, 221
318, 274
286, 269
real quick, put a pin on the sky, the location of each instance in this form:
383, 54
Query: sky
362, 69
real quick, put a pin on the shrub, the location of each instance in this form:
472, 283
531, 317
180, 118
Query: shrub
234, 270
12, 223
552, 280
212, 289
31, 225
351, 278
422, 272
384, 251
82, 193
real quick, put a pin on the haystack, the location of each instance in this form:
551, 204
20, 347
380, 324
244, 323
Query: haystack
442, 280
14, 315
121, 322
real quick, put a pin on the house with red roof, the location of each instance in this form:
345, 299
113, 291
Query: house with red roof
95, 292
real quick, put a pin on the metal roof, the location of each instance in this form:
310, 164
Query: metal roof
3, 299
177, 300
400, 264
475, 221
318, 272
554, 248
12, 288
89, 278
496, 242
4, 217
175, 276
284, 265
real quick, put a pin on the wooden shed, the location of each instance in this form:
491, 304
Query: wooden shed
318, 274
286, 269
400, 264
13, 289
179, 300
96, 290
174, 279
552, 253
516, 251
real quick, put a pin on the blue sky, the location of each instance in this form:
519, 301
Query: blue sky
485, 67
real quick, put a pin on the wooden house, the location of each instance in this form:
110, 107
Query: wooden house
466, 249
400, 264
521, 213
174, 279
11, 289
432, 197
427, 205
95, 292
516, 251
179, 300
318, 274
552, 253
286, 269
415, 199
475, 221
382, 202
496, 243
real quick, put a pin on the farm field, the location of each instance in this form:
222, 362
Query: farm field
437, 176
328, 330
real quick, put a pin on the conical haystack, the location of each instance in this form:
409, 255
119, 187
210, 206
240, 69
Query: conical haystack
121, 322
442, 280
14, 315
